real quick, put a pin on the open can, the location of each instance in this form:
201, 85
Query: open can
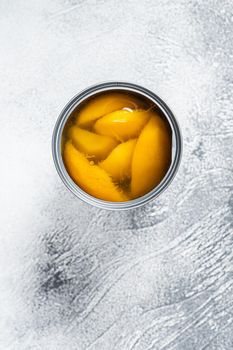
106, 87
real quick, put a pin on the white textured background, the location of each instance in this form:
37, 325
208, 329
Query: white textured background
73, 277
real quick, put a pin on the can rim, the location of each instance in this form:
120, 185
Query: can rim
56, 144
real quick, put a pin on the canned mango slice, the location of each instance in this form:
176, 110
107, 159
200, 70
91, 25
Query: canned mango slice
105, 104
151, 157
93, 145
123, 124
90, 177
118, 163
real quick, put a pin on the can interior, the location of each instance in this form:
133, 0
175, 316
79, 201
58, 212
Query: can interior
144, 94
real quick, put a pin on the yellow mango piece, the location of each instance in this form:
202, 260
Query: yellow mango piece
122, 124
152, 156
91, 144
104, 104
91, 178
118, 163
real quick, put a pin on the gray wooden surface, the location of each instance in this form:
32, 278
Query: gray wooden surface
73, 277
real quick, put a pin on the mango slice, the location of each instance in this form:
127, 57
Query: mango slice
122, 124
151, 158
91, 178
118, 163
90, 143
105, 104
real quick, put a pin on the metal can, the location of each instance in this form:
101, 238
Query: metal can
105, 87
